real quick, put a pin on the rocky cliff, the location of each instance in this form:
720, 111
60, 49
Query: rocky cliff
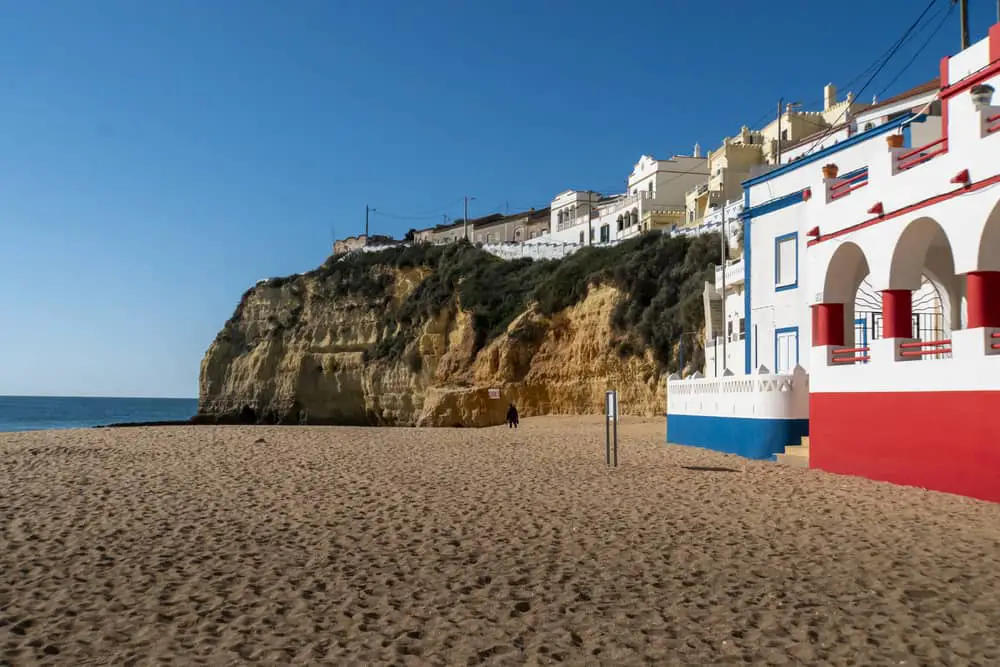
418, 336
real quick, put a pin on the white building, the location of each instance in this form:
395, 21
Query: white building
655, 198
872, 289
725, 326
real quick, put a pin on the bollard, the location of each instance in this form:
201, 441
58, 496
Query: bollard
611, 427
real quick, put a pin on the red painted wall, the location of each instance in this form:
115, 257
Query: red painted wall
947, 441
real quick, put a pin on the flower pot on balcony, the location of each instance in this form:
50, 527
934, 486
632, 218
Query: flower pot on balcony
830, 170
982, 95
894, 140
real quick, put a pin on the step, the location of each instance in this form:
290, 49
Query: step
805, 441
797, 449
793, 460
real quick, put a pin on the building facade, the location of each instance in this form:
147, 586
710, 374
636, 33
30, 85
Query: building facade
872, 287
654, 200
751, 152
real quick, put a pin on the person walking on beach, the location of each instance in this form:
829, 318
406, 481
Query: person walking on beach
512, 416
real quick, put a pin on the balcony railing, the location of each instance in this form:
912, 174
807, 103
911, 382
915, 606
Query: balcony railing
918, 156
733, 274
993, 123
936, 349
851, 355
849, 183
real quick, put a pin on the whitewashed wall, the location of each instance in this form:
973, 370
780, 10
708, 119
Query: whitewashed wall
761, 396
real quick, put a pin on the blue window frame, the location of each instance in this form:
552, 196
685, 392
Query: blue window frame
786, 251
786, 349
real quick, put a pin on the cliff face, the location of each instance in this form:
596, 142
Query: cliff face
417, 336
266, 369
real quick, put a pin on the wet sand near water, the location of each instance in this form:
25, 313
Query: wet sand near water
350, 546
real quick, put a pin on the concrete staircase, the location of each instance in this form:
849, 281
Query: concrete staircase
796, 456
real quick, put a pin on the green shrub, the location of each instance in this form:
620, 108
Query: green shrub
661, 276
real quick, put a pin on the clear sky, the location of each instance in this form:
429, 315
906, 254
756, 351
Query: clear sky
157, 158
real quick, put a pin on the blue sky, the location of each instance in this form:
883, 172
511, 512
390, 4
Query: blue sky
157, 158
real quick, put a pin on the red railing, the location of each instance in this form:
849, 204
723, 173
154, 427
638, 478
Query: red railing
858, 355
849, 184
912, 158
993, 124
925, 347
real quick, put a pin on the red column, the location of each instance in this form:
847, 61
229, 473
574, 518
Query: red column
897, 313
982, 298
828, 324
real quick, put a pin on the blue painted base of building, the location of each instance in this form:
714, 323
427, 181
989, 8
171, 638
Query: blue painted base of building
749, 438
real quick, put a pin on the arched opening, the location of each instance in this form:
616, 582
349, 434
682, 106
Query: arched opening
845, 275
923, 263
621, 223
989, 243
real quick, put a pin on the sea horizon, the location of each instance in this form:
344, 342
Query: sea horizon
41, 413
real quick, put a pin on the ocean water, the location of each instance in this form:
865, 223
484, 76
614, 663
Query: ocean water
30, 413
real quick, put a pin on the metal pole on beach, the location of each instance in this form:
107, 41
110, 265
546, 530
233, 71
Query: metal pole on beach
616, 428
607, 434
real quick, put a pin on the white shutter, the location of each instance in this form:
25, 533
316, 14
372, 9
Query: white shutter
787, 349
786, 262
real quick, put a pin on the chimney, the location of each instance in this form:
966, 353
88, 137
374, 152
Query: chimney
697, 151
829, 96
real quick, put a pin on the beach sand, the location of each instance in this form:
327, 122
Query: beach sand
350, 546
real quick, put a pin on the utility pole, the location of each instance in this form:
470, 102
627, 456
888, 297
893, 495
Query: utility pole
465, 221
963, 12
777, 157
367, 211
722, 246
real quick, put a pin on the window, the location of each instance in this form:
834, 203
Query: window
743, 328
605, 233
869, 126
786, 262
581, 238
786, 349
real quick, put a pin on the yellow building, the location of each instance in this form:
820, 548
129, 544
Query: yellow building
732, 163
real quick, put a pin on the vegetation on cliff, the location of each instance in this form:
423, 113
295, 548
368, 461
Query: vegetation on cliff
661, 276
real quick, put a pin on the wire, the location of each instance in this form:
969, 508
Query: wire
923, 46
427, 216
878, 65
899, 43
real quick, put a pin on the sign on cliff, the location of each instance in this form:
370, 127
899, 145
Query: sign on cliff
494, 393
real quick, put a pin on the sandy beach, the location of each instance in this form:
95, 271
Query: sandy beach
339, 546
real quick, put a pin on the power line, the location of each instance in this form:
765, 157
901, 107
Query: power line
878, 65
899, 43
920, 50
427, 216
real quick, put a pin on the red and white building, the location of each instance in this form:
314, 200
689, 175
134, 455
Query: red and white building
872, 283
